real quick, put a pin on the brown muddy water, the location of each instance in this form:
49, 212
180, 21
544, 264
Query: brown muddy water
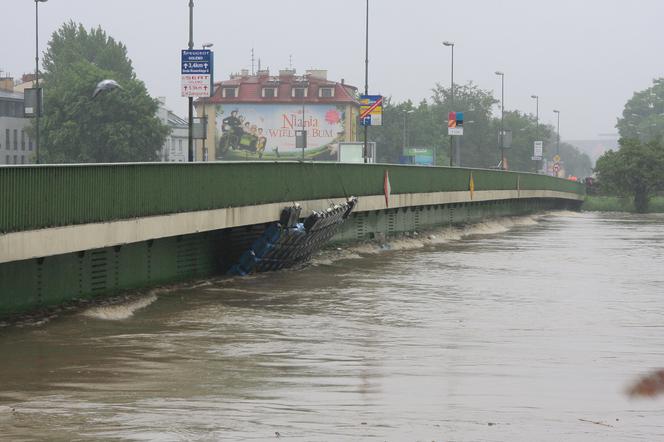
517, 330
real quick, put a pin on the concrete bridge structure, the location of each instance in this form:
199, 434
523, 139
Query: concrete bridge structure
73, 231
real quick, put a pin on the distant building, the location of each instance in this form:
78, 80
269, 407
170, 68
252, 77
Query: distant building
16, 147
257, 116
597, 147
26, 81
176, 146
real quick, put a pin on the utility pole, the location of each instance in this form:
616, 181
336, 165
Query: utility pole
191, 99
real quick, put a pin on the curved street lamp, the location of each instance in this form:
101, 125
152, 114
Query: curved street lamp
502, 119
558, 132
39, 96
405, 127
536, 98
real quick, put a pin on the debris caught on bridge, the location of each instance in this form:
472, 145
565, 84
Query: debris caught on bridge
290, 242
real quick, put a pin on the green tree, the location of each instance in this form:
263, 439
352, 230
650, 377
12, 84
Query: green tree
576, 162
524, 132
636, 169
478, 147
425, 125
643, 116
113, 127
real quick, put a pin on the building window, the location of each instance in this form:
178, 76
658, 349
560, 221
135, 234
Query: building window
269, 92
15, 159
6, 159
29, 143
326, 92
299, 92
7, 139
15, 139
22, 159
22, 140
229, 92
179, 146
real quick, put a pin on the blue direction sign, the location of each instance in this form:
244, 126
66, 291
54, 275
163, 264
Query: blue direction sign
197, 72
196, 61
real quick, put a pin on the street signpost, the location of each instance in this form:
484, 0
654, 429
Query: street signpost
455, 124
371, 110
507, 138
197, 70
538, 148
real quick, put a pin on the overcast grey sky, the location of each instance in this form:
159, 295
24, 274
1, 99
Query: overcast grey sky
584, 57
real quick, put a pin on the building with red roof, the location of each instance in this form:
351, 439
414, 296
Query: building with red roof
257, 116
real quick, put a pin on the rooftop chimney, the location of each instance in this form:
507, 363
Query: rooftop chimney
320, 74
287, 72
7, 84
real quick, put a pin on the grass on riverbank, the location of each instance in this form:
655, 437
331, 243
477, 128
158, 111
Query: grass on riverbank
595, 203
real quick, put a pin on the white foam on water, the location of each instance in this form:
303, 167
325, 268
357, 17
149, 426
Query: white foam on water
568, 213
116, 312
416, 240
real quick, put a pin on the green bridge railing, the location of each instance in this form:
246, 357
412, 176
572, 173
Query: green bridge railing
41, 196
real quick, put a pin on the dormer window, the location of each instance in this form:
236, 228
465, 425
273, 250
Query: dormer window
299, 92
326, 92
269, 92
229, 92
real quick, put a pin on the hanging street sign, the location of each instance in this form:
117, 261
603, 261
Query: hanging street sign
197, 70
455, 124
371, 110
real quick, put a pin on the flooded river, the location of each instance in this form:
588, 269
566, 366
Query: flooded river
523, 330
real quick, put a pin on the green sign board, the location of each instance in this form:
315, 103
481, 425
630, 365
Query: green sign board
417, 151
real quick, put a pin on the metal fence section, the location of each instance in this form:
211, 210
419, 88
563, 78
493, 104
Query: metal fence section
41, 196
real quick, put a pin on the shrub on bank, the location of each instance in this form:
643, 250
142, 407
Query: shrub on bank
596, 203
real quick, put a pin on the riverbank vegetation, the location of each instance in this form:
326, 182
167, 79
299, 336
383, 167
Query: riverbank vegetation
424, 125
78, 128
606, 203
636, 169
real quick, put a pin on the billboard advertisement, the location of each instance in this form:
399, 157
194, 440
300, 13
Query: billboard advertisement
267, 131
418, 155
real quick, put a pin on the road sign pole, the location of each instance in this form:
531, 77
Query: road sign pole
191, 99
366, 81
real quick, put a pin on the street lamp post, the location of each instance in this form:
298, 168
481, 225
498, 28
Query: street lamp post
366, 79
502, 119
536, 98
558, 132
205, 118
451, 45
405, 127
190, 150
39, 96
